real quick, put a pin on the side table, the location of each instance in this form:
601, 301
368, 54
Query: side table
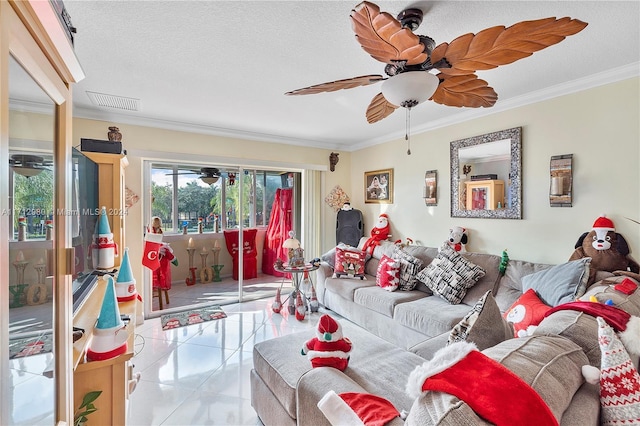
297, 274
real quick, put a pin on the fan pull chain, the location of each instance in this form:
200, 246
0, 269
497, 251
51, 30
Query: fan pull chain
407, 135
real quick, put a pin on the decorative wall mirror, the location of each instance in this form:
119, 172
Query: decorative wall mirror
486, 175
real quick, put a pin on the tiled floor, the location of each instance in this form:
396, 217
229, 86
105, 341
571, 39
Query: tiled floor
199, 374
193, 375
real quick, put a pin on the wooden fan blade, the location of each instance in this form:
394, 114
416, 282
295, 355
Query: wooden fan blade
379, 108
382, 36
332, 86
498, 45
464, 91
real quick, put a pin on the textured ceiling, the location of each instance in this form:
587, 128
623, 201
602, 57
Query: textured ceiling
222, 67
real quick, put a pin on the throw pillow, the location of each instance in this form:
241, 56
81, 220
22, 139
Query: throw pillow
526, 312
483, 325
409, 267
450, 275
349, 262
388, 273
619, 380
561, 283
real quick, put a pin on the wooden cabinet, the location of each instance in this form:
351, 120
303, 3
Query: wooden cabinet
110, 376
112, 193
485, 194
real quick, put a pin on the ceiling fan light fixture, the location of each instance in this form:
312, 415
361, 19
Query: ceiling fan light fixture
26, 171
210, 180
410, 88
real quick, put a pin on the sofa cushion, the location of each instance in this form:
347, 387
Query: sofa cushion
561, 283
430, 315
387, 276
526, 312
580, 328
345, 287
383, 302
450, 275
409, 267
604, 290
279, 364
551, 365
483, 325
490, 264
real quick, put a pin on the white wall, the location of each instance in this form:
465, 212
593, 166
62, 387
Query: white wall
600, 127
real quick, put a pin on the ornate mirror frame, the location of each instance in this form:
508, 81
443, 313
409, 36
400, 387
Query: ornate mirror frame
513, 210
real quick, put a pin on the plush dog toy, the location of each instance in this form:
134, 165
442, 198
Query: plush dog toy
458, 238
607, 249
380, 232
329, 348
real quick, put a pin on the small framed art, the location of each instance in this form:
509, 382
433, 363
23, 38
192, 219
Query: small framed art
378, 186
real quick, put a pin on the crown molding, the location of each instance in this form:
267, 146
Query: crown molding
589, 82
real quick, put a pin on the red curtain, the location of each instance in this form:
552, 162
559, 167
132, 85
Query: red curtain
278, 229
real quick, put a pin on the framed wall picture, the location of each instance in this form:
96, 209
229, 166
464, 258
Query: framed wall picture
431, 188
378, 186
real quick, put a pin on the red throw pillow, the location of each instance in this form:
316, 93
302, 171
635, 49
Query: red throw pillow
349, 262
388, 276
525, 312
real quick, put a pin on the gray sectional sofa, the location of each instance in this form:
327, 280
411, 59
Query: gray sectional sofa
393, 332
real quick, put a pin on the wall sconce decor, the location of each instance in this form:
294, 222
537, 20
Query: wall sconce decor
430, 188
561, 181
333, 160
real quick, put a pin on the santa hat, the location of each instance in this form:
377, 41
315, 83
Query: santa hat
604, 223
353, 408
493, 391
619, 380
328, 330
627, 325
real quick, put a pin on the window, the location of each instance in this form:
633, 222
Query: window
31, 195
182, 199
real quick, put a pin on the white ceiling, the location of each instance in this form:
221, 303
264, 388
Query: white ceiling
222, 67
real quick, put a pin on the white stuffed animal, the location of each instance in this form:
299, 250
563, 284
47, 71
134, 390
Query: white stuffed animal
458, 238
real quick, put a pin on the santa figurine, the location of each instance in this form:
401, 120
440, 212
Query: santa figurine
380, 232
162, 274
329, 348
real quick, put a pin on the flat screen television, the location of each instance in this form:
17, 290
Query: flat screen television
85, 215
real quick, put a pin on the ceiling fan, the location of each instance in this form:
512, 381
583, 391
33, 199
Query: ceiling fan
413, 60
28, 165
208, 175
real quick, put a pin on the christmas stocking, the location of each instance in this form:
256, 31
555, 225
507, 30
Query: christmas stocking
494, 392
150, 257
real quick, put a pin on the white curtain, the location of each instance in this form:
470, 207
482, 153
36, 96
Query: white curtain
311, 213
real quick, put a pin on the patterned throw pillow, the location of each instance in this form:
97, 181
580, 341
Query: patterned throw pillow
349, 262
450, 275
483, 325
525, 312
619, 380
409, 267
388, 273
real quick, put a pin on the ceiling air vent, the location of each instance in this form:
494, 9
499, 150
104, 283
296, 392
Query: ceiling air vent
112, 101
